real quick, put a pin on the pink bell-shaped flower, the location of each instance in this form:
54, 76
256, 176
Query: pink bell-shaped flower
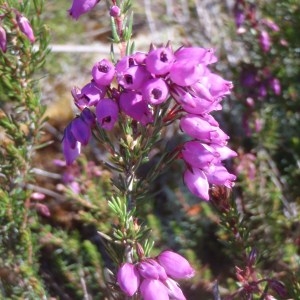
160, 61
80, 7
218, 174
176, 266
71, 148
152, 289
155, 91
201, 129
81, 130
133, 104
186, 72
198, 155
25, 27
174, 290
128, 278
103, 72
196, 54
134, 77
196, 181
107, 112
3, 40
152, 270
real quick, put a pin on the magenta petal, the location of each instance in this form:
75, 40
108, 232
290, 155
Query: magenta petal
176, 266
107, 112
196, 182
152, 289
174, 290
128, 278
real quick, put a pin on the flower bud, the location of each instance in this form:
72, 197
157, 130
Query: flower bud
152, 270
25, 27
3, 40
176, 266
80, 7
128, 278
151, 289
114, 11
196, 181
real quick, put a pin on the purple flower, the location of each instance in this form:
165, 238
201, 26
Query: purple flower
133, 104
174, 290
128, 278
152, 288
81, 130
199, 155
218, 174
3, 40
88, 117
90, 95
218, 87
103, 72
25, 27
196, 54
114, 11
196, 181
107, 113
155, 91
186, 72
265, 41
275, 86
71, 147
160, 61
134, 77
239, 17
223, 152
270, 24
176, 266
80, 7
201, 129
150, 269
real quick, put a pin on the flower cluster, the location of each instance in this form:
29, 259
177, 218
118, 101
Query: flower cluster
24, 26
155, 276
145, 80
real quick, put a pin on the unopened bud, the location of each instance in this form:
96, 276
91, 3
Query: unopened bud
114, 11
252, 257
25, 27
3, 40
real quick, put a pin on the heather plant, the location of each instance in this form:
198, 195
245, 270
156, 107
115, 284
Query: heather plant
20, 122
140, 207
